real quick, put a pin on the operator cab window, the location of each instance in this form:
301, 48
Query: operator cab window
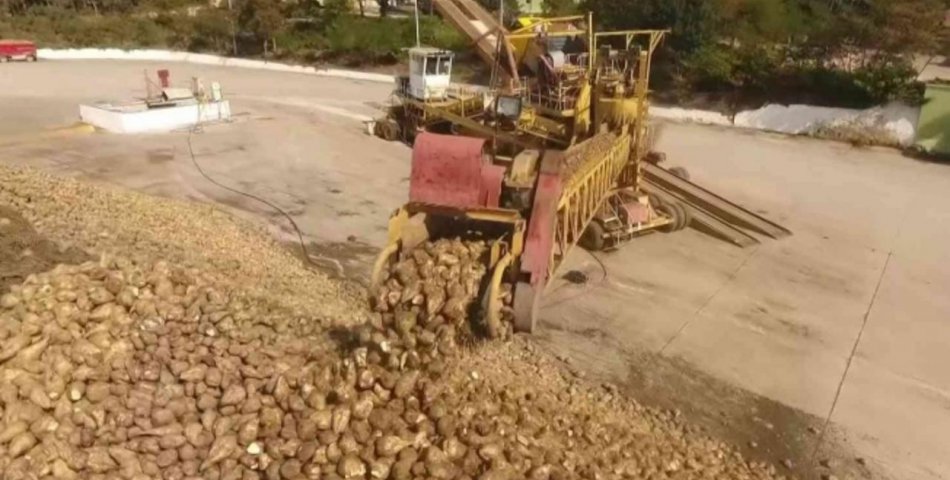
432, 65
445, 65
438, 65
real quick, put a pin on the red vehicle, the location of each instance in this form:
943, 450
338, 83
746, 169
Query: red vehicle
17, 50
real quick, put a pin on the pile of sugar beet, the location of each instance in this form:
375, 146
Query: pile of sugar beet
121, 369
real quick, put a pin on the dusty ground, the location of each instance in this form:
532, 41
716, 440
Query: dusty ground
752, 343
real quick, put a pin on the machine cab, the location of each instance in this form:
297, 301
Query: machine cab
430, 72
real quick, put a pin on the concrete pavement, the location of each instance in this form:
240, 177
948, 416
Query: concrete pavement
862, 282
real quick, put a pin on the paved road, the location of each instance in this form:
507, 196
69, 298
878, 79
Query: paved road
848, 318
856, 300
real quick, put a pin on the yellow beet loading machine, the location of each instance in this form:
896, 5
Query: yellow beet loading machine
556, 153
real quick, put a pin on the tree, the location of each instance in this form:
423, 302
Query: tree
332, 10
559, 7
264, 18
694, 22
907, 26
212, 30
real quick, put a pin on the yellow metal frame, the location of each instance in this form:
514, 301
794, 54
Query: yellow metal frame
401, 217
529, 24
583, 196
585, 192
461, 103
656, 37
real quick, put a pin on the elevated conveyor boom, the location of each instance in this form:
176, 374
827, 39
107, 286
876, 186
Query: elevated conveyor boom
479, 26
710, 203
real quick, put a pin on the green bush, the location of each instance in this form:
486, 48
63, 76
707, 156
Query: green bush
437, 33
373, 39
756, 67
56, 27
889, 79
766, 74
210, 31
383, 40
302, 42
711, 67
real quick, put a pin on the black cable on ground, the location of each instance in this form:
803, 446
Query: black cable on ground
587, 285
300, 240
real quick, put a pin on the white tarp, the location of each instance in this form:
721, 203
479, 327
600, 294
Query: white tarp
895, 120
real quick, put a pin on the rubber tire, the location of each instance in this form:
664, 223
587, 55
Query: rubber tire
682, 216
593, 237
526, 304
680, 172
394, 131
387, 130
670, 211
687, 217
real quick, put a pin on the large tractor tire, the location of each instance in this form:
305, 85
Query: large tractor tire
593, 237
680, 172
387, 130
677, 213
682, 216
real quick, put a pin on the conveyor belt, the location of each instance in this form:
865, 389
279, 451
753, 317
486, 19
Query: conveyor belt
704, 221
698, 198
473, 21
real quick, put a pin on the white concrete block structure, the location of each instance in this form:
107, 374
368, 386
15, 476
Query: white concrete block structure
138, 118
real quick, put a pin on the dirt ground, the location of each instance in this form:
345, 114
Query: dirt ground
842, 321
762, 428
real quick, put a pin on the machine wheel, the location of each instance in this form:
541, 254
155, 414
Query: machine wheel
31, 58
680, 172
526, 304
688, 217
593, 237
387, 130
668, 210
655, 157
682, 216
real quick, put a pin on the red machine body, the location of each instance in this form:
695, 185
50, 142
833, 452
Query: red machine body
539, 239
454, 171
17, 50
163, 78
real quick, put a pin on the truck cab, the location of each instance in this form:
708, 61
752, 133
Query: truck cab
430, 72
